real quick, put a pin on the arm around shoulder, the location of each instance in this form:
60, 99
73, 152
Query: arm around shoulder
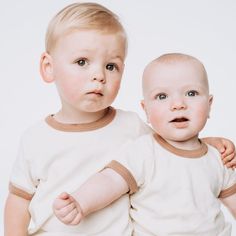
16, 216
225, 147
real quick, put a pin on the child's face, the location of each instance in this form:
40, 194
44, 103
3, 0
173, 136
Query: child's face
176, 99
87, 67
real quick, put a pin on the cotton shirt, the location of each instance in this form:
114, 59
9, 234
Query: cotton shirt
55, 157
178, 190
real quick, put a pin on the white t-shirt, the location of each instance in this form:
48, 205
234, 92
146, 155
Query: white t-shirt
178, 190
55, 157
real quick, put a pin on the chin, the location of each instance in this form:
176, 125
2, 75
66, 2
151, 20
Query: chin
185, 138
179, 137
94, 108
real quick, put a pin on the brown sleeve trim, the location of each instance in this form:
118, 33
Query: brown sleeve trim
125, 173
19, 192
228, 192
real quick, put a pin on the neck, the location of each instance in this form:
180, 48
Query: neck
79, 117
190, 144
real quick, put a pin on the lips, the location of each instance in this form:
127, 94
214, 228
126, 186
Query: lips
96, 92
179, 120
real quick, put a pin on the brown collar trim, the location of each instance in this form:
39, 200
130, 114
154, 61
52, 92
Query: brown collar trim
105, 120
180, 152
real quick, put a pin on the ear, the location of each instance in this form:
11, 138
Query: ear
210, 100
144, 108
46, 67
142, 104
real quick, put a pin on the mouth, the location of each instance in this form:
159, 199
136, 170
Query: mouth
97, 93
179, 120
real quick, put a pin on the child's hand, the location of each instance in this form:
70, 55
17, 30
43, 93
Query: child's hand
226, 149
228, 154
67, 210
229, 158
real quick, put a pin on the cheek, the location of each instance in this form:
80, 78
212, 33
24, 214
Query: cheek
114, 88
68, 89
202, 111
156, 116
201, 116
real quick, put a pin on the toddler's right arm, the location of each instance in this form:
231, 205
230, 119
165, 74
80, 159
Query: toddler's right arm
96, 193
16, 217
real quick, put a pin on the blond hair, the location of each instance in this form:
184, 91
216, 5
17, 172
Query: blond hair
82, 16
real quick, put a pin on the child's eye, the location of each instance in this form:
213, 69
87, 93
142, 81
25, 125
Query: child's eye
111, 67
161, 96
81, 62
192, 93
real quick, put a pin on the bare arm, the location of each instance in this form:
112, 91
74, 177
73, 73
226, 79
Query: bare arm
16, 217
226, 149
230, 203
96, 193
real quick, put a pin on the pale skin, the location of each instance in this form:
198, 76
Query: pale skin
166, 102
98, 61
17, 216
87, 68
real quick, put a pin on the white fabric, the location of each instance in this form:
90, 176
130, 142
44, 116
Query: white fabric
51, 161
177, 195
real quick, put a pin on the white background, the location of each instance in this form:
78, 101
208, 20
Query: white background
203, 28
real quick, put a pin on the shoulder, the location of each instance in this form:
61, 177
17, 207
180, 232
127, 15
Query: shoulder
132, 121
136, 158
37, 129
213, 153
139, 149
127, 114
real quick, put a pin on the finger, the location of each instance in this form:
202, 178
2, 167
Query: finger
229, 158
232, 163
228, 151
221, 150
69, 218
77, 219
64, 196
59, 203
63, 212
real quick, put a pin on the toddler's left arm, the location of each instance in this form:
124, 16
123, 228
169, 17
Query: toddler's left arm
230, 203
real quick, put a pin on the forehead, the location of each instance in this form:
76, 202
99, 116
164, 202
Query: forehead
91, 40
174, 71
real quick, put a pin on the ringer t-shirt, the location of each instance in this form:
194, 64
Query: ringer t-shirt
55, 157
177, 191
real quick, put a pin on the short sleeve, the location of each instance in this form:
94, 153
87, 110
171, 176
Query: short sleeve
229, 183
21, 180
134, 162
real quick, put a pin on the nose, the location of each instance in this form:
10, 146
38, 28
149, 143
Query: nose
99, 79
99, 76
178, 104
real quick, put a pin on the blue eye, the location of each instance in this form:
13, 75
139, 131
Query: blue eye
81, 62
192, 93
161, 96
111, 66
